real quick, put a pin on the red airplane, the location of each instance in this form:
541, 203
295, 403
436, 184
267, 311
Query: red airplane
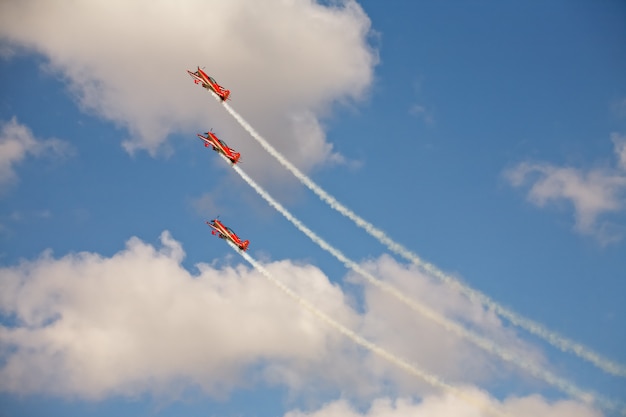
219, 146
224, 232
209, 83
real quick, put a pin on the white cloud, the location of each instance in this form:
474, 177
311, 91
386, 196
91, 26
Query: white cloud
447, 405
439, 350
593, 193
285, 62
90, 326
137, 322
17, 142
619, 141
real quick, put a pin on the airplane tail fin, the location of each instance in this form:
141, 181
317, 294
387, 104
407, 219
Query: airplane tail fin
244, 245
226, 94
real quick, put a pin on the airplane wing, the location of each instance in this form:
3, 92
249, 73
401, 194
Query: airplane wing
196, 77
214, 224
208, 141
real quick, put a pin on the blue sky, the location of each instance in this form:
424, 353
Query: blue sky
488, 138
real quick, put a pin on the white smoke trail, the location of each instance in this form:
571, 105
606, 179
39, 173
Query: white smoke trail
484, 343
556, 340
372, 347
